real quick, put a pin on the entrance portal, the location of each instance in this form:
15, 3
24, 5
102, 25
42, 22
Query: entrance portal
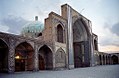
81, 44
78, 55
3, 56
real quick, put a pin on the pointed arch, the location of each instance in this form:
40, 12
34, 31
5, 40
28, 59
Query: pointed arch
79, 31
60, 33
81, 44
24, 57
47, 56
3, 56
60, 58
114, 59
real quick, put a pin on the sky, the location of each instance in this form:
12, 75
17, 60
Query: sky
104, 15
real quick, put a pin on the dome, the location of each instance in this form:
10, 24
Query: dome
33, 29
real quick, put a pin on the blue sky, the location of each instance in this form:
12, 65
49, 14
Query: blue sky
104, 14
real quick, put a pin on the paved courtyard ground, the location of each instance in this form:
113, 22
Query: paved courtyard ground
106, 71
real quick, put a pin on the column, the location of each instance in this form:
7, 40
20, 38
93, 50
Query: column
70, 38
11, 58
36, 64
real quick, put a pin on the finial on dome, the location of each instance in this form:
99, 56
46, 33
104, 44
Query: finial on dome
36, 18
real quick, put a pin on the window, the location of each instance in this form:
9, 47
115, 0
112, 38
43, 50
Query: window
59, 34
40, 34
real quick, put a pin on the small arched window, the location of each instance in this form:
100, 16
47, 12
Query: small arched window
40, 34
59, 33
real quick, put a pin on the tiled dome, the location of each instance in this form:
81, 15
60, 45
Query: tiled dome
33, 29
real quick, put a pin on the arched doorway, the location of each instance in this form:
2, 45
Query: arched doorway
59, 33
41, 63
24, 57
114, 59
81, 45
47, 58
3, 56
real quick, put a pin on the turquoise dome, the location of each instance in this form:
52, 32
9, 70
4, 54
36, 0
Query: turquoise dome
32, 29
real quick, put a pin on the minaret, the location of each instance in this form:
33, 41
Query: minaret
36, 18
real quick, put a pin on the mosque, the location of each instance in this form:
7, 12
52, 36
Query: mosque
64, 41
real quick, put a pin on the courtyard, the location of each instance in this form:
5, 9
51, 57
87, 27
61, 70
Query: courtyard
105, 71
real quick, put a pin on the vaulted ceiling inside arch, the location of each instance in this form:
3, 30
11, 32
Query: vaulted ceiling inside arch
79, 32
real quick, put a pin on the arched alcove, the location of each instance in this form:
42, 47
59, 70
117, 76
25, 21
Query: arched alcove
24, 57
60, 34
3, 56
81, 44
47, 56
114, 59
60, 58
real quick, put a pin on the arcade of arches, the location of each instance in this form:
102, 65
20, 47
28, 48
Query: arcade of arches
108, 59
24, 57
66, 41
